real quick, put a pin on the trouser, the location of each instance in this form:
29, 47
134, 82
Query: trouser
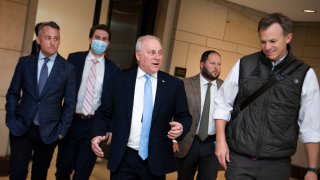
132, 167
201, 157
75, 153
245, 168
21, 150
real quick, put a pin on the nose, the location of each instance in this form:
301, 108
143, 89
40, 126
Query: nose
267, 46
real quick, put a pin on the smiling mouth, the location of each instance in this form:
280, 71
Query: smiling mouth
156, 64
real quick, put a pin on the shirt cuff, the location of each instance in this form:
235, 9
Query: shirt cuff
222, 114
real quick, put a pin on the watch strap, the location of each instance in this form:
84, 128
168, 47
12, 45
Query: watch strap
315, 170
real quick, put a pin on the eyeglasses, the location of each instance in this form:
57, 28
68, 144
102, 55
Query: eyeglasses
51, 38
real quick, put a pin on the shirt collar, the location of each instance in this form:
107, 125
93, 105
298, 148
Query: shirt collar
204, 81
279, 61
141, 74
52, 58
90, 57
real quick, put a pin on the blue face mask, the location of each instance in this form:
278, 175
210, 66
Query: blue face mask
98, 46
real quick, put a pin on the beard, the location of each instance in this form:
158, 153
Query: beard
206, 74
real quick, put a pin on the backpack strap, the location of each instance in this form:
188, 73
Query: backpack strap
285, 71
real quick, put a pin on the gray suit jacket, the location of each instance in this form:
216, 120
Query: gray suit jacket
192, 87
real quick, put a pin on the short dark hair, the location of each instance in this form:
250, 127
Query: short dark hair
281, 19
100, 27
36, 28
205, 55
50, 23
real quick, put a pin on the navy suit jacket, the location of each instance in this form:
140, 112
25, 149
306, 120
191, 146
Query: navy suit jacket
116, 113
55, 104
78, 60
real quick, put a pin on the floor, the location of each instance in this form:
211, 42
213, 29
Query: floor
100, 172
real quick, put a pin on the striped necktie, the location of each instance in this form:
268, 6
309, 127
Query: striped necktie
88, 97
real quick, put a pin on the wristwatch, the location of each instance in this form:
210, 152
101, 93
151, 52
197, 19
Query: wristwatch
315, 170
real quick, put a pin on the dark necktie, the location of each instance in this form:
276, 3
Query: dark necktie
43, 75
146, 118
203, 130
42, 82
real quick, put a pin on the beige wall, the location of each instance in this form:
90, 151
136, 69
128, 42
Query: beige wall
75, 19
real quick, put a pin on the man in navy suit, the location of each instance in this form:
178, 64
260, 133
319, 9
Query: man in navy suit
75, 151
121, 117
40, 104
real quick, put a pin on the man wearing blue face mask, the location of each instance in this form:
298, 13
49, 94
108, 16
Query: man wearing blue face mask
93, 72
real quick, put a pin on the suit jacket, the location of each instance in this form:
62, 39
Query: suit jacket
55, 105
192, 87
170, 103
78, 60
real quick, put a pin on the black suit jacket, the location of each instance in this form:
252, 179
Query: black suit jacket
170, 103
55, 105
78, 60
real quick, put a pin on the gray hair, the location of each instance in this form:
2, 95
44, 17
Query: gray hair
142, 38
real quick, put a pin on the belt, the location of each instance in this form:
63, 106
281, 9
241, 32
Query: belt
210, 137
82, 116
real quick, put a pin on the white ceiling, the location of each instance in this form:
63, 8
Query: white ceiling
291, 8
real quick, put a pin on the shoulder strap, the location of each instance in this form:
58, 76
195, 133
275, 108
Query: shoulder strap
283, 73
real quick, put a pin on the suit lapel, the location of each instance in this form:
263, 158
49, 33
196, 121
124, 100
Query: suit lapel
53, 74
130, 88
161, 85
107, 74
197, 93
82, 60
34, 73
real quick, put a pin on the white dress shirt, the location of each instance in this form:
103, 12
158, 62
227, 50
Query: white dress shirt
309, 116
213, 93
136, 121
100, 67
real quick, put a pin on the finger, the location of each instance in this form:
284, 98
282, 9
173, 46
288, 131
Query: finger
109, 139
223, 162
228, 156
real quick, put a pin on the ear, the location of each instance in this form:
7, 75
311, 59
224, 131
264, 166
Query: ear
289, 38
38, 40
201, 65
137, 55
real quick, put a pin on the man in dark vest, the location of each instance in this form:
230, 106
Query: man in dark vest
274, 98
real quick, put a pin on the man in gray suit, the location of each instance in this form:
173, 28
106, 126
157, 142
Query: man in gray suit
197, 150
40, 104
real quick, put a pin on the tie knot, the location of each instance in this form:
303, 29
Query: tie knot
209, 84
46, 60
147, 76
95, 61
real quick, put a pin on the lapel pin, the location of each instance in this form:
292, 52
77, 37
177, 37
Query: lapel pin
163, 81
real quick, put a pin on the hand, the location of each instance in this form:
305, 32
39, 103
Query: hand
95, 142
222, 153
109, 138
310, 176
176, 130
175, 146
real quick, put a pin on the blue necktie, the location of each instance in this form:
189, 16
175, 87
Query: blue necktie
42, 82
146, 118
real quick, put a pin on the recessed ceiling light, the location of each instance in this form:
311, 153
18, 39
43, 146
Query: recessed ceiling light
309, 11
